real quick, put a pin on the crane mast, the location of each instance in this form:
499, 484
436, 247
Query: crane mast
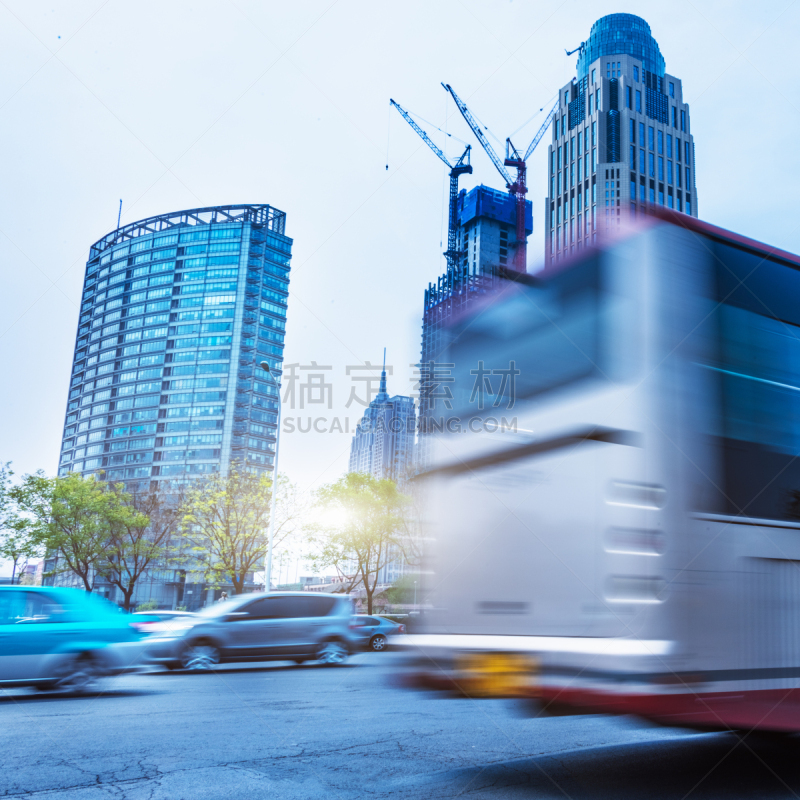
461, 167
517, 187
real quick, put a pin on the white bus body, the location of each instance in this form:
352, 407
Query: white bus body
629, 543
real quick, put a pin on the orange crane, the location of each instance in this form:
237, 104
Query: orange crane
517, 188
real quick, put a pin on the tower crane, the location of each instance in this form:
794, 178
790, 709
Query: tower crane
517, 188
461, 167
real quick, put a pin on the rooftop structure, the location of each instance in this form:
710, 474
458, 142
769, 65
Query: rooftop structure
622, 139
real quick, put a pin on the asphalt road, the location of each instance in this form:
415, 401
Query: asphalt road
285, 732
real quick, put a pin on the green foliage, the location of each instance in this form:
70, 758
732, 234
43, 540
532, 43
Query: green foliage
402, 590
74, 516
147, 605
362, 521
225, 519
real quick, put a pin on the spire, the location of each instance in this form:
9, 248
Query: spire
383, 393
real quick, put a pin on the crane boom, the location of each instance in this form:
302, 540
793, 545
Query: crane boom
476, 129
541, 132
424, 136
461, 167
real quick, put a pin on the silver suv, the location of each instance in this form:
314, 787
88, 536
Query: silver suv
278, 626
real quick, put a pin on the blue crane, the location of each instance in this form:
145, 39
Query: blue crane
461, 167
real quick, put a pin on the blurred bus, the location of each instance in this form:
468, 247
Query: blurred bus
613, 507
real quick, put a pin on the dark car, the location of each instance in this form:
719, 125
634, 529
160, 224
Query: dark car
55, 638
278, 626
373, 631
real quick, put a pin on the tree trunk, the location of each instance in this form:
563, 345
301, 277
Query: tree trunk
238, 583
369, 598
126, 595
14, 571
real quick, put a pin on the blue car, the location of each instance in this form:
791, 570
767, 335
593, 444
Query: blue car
62, 639
371, 631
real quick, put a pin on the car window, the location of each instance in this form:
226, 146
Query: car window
266, 608
12, 607
309, 606
369, 622
29, 607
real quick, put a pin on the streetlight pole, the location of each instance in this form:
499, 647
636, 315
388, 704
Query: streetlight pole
268, 565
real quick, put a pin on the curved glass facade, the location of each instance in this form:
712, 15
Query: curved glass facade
621, 34
176, 311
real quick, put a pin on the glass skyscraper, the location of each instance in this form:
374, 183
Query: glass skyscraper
622, 140
176, 312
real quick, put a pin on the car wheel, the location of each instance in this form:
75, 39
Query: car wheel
200, 656
78, 674
332, 653
378, 643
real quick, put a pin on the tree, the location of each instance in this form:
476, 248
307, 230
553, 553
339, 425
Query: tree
362, 524
16, 542
73, 516
141, 536
225, 518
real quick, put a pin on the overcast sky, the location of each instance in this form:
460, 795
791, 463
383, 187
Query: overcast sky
173, 105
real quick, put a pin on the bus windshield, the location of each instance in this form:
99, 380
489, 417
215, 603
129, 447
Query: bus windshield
543, 337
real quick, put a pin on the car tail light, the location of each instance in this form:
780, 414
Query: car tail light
141, 627
402, 629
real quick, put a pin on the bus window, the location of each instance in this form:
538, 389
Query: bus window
548, 335
756, 433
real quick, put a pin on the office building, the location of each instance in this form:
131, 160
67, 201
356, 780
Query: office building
383, 444
622, 140
176, 312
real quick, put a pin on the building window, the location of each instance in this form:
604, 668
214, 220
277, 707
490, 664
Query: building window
566, 98
641, 192
553, 163
669, 172
689, 204
633, 189
651, 138
553, 186
669, 145
579, 141
572, 148
633, 157
638, 101
572, 206
628, 97
674, 117
594, 192
688, 180
683, 122
633, 131
680, 205
594, 159
635, 74
594, 134
580, 160
651, 164
671, 89
677, 148
670, 202
571, 174
652, 194
661, 142
591, 104
678, 175
559, 157
688, 154
594, 77
597, 99
661, 169
660, 196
